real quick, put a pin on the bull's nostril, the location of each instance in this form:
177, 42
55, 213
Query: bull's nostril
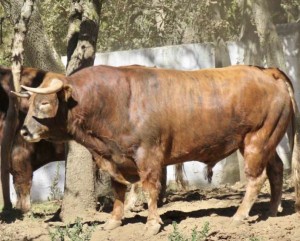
24, 132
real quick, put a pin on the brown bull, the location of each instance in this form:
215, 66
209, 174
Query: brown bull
26, 157
136, 120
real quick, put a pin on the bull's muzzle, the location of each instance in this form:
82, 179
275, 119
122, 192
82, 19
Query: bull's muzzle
24, 132
28, 136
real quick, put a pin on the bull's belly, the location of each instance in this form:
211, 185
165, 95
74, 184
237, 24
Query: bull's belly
206, 153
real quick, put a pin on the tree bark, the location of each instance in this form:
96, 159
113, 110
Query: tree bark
249, 37
79, 197
262, 45
222, 58
13, 109
82, 34
270, 43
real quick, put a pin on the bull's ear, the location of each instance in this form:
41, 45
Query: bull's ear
67, 91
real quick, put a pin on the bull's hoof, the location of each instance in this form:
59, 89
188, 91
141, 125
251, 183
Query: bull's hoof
272, 213
238, 218
273, 210
236, 222
24, 208
297, 207
112, 224
152, 228
280, 208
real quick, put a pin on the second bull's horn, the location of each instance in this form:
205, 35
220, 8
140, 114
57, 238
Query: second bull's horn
54, 86
26, 94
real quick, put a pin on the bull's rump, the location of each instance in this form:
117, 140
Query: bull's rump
204, 114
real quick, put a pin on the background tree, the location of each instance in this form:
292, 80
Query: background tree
142, 24
79, 196
268, 37
39, 50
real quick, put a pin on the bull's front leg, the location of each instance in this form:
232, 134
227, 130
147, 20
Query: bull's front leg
149, 162
118, 209
22, 172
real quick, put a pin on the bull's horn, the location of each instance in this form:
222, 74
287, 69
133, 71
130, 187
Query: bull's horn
55, 86
26, 94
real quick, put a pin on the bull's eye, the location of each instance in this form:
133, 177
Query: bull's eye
44, 103
45, 106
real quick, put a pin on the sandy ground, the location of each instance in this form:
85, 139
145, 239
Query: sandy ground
191, 209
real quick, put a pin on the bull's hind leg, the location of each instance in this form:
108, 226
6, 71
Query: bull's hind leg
275, 175
253, 188
256, 159
118, 209
259, 152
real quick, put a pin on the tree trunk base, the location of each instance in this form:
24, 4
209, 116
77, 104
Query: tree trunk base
79, 197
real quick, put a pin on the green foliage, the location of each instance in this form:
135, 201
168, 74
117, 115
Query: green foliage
46, 208
141, 24
292, 9
7, 33
55, 15
75, 232
195, 235
254, 239
55, 192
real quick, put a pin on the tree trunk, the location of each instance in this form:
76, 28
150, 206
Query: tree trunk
13, 109
231, 169
262, 45
269, 41
222, 58
83, 34
79, 197
249, 37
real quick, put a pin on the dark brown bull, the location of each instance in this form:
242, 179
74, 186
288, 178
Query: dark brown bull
136, 120
26, 157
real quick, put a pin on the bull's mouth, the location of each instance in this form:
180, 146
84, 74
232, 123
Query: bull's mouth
34, 138
30, 137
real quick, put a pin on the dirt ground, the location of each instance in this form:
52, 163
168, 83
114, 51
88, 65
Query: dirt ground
191, 209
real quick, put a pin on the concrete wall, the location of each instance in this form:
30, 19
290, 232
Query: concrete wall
42, 181
186, 57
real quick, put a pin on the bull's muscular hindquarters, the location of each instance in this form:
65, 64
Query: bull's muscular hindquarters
137, 120
259, 152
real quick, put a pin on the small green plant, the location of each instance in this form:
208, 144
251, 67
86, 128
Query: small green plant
254, 239
175, 235
74, 232
55, 192
202, 234
195, 236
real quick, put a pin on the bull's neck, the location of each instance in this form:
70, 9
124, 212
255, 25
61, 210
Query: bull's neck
87, 123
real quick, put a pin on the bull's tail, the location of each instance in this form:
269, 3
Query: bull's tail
296, 140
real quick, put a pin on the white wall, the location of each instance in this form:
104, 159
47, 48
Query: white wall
42, 180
